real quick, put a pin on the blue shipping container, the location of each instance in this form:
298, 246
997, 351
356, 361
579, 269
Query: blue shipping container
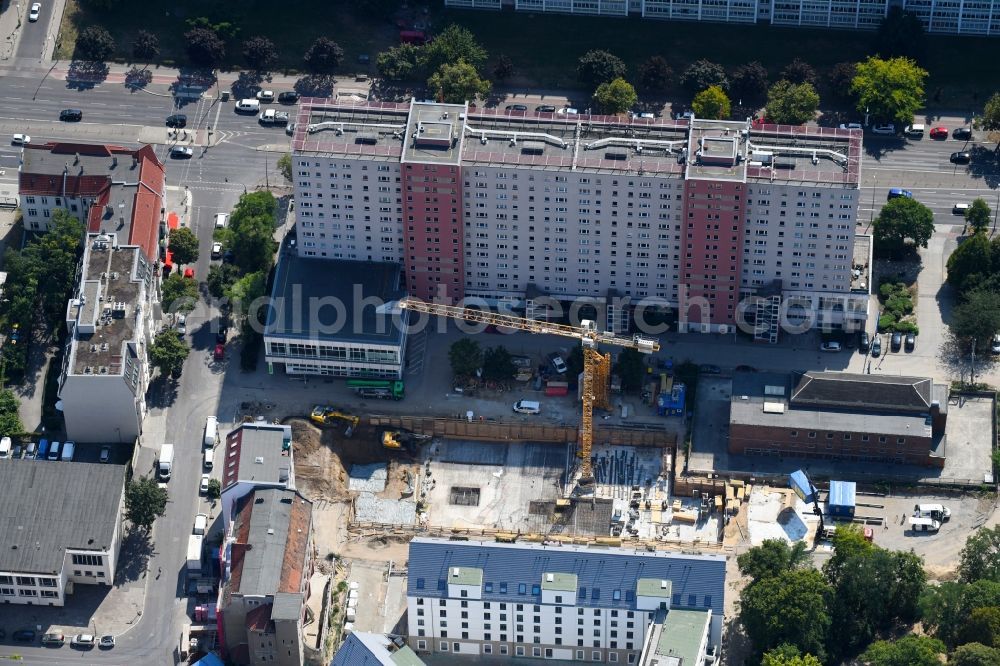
841, 502
799, 482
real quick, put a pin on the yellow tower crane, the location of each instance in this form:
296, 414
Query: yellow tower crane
596, 366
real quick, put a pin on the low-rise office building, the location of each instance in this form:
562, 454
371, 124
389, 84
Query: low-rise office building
556, 602
62, 526
839, 416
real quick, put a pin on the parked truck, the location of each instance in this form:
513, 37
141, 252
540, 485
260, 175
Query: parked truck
166, 462
195, 542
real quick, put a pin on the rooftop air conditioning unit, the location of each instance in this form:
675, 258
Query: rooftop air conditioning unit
103, 370
89, 370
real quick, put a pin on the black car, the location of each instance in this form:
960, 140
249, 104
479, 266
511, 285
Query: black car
864, 342
710, 369
71, 115
177, 120
545, 108
963, 133
516, 107
288, 97
961, 158
910, 342
24, 636
745, 368
896, 342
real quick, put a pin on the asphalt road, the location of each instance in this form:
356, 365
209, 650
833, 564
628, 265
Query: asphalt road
32, 35
30, 101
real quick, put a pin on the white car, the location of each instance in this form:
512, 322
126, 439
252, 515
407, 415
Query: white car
558, 364
830, 347
20, 139
203, 487
850, 126
216, 250
568, 111
887, 128
181, 324
36, 8
83, 641
290, 129
220, 220
995, 344
181, 152
265, 95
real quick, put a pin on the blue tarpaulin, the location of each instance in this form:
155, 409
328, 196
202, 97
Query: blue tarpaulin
799, 482
841, 500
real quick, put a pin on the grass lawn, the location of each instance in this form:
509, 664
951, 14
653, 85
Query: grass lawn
543, 47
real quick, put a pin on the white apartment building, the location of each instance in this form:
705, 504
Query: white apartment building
938, 16
555, 602
585, 208
62, 525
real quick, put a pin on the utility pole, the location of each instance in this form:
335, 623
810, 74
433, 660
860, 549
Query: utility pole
972, 372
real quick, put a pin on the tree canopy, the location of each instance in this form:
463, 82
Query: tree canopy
497, 364
95, 43
654, 75
907, 651
840, 78
178, 293
772, 557
598, 66
168, 353
614, 97
10, 420
399, 63
204, 47
250, 234
466, 357
504, 68
901, 33
146, 46
975, 654
702, 74
902, 225
712, 103
788, 608
184, 246
748, 83
789, 655
980, 558
974, 321
260, 53
798, 71
975, 263
978, 215
457, 83
145, 501
452, 45
791, 104
891, 90
323, 56
990, 118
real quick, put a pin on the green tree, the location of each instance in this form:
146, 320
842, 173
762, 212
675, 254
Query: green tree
788, 608
748, 83
789, 655
631, 367
95, 43
978, 215
168, 353
614, 97
990, 118
598, 66
458, 83
791, 104
902, 225
504, 68
975, 321
260, 53
798, 71
890, 90
497, 364
10, 420
399, 63
252, 242
178, 293
848, 544
971, 263
145, 46
285, 166
221, 278
975, 654
712, 104
901, 33
982, 626
184, 246
907, 651
840, 77
323, 56
980, 558
145, 501
771, 558
654, 75
702, 74
204, 47
942, 610
245, 292
466, 357
451, 46
214, 491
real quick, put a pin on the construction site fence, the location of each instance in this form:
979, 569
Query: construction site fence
498, 431
876, 483
366, 530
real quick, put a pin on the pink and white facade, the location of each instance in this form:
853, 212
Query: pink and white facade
695, 216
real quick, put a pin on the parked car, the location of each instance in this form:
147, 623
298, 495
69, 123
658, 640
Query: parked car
107, 642
709, 369
265, 96
220, 220
177, 120
915, 131
909, 342
36, 8
181, 324
830, 346
877, 346
54, 638
24, 636
939, 133
850, 126
85, 641
568, 111
290, 129
545, 108
962, 134
864, 342
995, 345
288, 97
896, 342
960, 208
105, 454
558, 364
887, 128
219, 354
516, 107
181, 152
963, 157
71, 115
20, 139
203, 486
896, 192
216, 250
745, 368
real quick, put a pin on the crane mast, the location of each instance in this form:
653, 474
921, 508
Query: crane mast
596, 365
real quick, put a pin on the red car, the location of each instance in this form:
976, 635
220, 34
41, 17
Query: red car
220, 353
939, 133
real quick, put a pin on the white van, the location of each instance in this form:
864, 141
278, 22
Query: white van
53, 451
200, 523
527, 407
209, 458
924, 524
67, 451
248, 106
959, 208
935, 511
5, 447
915, 130
220, 220
211, 432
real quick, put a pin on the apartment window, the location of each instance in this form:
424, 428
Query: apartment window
503, 649
421, 645
519, 651
26, 580
595, 656
487, 649
522, 588
443, 646
613, 657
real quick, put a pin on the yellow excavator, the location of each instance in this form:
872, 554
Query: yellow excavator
400, 440
326, 415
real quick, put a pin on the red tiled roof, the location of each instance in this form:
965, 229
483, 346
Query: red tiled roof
148, 202
236, 552
259, 619
295, 547
52, 185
